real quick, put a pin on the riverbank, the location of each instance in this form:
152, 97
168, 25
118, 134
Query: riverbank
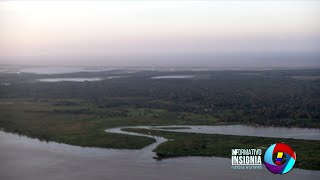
29, 159
195, 144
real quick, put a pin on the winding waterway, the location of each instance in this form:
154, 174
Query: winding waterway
240, 130
31, 159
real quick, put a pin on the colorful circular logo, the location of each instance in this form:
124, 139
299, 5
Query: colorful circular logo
279, 158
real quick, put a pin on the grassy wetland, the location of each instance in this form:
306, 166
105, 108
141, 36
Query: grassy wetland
77, 113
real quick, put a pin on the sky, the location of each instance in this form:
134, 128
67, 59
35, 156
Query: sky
160, 33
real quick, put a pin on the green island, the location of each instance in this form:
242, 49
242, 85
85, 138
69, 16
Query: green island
193, 144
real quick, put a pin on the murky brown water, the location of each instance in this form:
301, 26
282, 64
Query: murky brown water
30, 159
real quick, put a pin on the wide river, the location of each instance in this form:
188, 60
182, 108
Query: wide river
31, 159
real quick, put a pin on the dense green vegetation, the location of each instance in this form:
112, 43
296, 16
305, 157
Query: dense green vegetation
78, 112
80, 123
39, 121
192, 144
259, 97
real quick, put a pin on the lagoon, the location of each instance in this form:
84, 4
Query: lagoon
69, 79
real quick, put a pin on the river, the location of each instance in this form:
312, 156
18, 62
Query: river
31, 159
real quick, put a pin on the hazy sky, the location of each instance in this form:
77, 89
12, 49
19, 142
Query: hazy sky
155, 32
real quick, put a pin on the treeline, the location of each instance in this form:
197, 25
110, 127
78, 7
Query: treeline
264, 98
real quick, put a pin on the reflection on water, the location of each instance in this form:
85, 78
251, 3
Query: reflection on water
30, 159
69, 79
173, 77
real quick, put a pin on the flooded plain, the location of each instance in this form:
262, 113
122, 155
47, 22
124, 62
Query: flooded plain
25, 158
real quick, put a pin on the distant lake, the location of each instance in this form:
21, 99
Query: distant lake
69, 79
173, 77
